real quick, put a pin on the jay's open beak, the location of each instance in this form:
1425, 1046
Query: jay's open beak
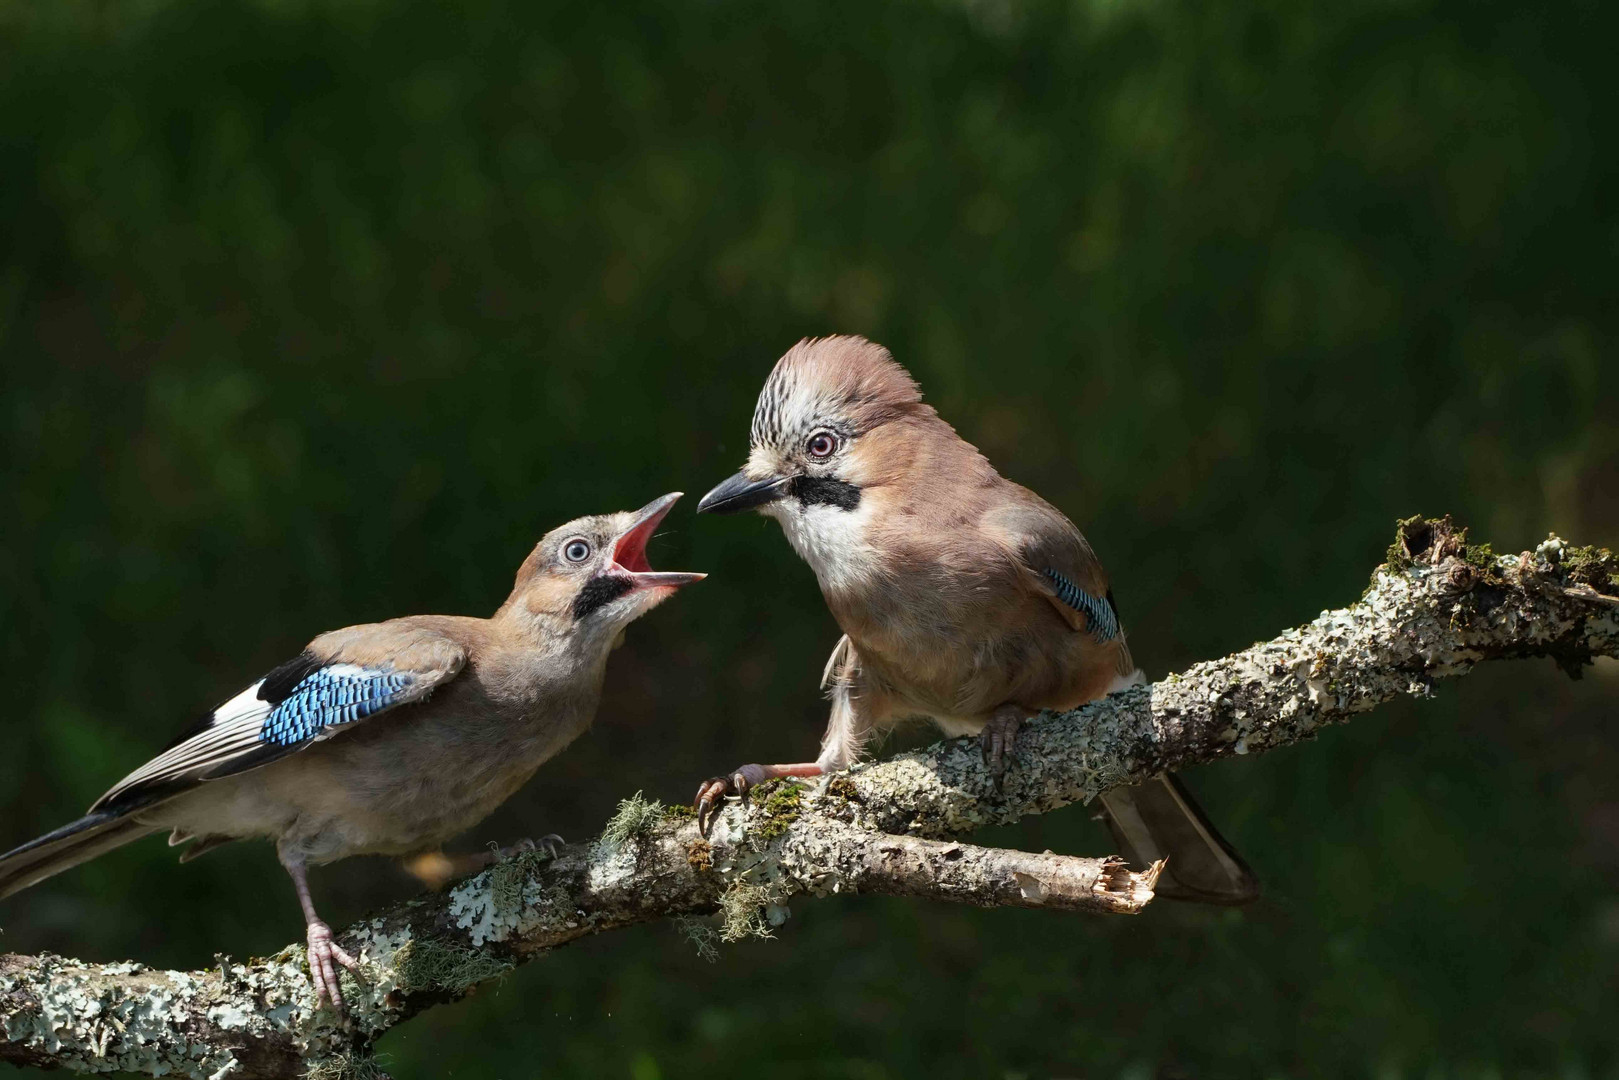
629, 550
740, 493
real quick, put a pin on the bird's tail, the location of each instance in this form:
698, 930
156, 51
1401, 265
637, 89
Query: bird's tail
72, 844
1158, 820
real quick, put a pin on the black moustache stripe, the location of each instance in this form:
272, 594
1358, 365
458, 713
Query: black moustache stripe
599, 591
825, 491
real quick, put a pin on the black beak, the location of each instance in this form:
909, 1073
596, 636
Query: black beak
740, 493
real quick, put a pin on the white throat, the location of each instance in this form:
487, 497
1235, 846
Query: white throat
832, 540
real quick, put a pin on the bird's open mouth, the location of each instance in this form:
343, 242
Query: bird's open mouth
629, 550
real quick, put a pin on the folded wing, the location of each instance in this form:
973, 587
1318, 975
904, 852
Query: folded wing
342, 679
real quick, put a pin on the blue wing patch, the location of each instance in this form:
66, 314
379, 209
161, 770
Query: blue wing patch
339, 694
1099, 614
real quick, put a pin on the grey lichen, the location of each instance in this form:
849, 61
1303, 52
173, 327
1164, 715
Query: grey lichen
506, 881
1439, 607
635, 816
345, 1065
702, 935
752, 909
429, 964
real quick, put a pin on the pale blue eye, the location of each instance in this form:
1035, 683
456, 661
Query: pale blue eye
576, 551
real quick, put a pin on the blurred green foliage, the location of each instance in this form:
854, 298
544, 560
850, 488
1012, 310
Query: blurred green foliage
313, 314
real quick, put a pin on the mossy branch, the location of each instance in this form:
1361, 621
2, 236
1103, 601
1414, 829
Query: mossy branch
1434, 610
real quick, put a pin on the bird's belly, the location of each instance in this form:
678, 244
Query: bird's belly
401, 810
958, 684
953, 726
237, 807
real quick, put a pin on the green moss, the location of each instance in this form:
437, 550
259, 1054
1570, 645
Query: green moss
1594, 567
842, 787
776, 804
1479, 555
425, 964
679, 813
1429, 541
1406, 530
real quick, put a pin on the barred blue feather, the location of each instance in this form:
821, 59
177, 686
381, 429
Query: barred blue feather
331, 696
1099, 615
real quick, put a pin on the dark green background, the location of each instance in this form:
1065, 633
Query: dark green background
318, 314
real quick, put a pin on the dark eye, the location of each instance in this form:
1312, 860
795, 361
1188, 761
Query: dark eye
821, 444
576, 550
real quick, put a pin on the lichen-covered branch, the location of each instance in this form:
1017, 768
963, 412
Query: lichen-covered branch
1434, 610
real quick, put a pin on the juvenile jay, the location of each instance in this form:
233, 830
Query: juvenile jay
963, 597
392, 737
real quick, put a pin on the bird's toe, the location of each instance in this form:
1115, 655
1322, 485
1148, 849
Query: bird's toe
710, 797
996, 742
345, 959
324, 958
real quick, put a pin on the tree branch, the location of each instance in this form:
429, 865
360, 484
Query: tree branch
1437, 608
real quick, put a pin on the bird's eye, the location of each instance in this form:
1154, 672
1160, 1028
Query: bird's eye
576, 550
821, 444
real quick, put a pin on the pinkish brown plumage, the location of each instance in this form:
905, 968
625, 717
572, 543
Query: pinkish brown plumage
963, 597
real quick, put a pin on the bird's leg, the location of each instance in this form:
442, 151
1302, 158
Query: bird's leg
324, 954
998, 738
713, 791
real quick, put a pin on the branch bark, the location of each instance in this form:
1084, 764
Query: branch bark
1437, 608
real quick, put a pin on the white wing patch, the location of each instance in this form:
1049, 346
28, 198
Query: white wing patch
235, 729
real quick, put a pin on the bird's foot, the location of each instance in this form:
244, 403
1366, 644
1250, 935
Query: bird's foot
712, 792
997, 740
550, 845
324, 958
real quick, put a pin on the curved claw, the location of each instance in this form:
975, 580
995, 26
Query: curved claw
710, 797
550, 845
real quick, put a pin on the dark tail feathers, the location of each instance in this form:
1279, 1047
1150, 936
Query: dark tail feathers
68, 846
1159, 820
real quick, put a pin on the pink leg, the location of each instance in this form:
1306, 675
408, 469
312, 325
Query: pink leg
713, 791
324, 954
